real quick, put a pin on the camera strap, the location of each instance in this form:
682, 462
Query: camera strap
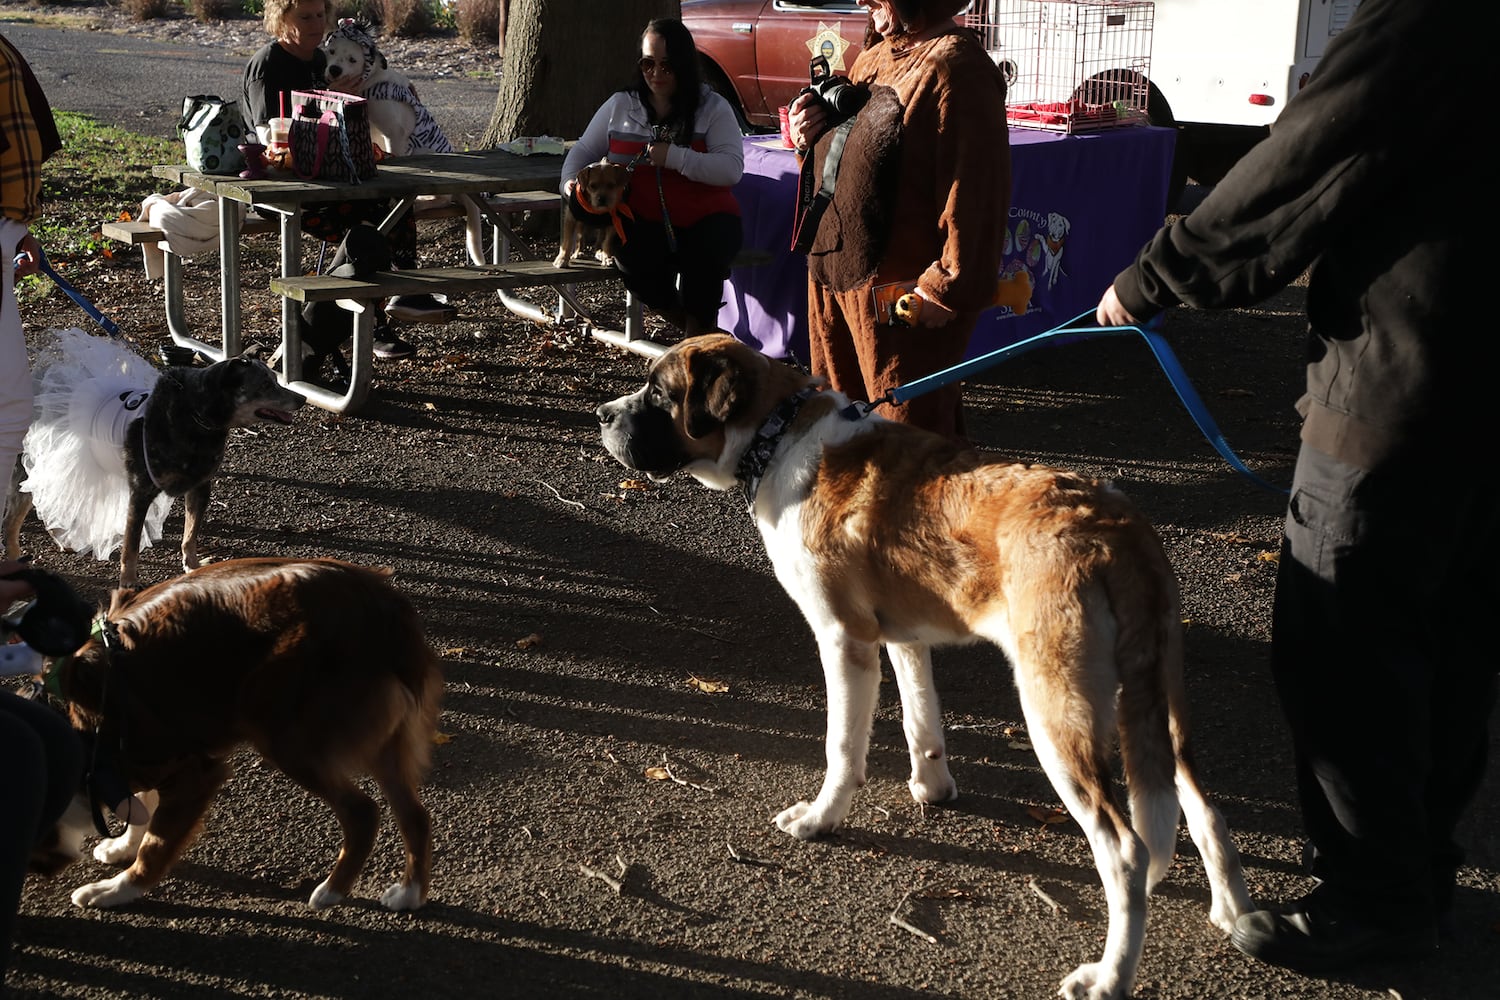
812, 204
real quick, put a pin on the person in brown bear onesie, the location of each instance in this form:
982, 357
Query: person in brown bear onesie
922, 192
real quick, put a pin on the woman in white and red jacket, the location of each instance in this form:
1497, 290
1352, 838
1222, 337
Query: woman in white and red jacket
685, 147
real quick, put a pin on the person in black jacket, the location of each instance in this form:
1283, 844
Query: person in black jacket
1380, 647
293, 61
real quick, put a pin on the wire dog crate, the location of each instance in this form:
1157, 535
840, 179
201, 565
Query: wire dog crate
1071, 65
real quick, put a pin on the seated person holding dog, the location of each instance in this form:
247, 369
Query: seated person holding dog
684, 147
292, 61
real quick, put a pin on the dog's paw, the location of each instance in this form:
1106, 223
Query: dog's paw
932, 783
1224, 913
607, 259
323, 897
119, 850
1088, 982
562, 260
806, 820
111, 892
402, 896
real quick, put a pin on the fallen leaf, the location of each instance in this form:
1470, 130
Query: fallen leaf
1047, 817
952, 892
657, 774
707, 686
1270, 557
456, 651
1233, 539
527, 643
124, 216
429, 406
440, 738
634, 484
1019, 745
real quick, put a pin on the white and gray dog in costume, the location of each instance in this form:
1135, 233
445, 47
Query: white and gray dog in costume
399, 121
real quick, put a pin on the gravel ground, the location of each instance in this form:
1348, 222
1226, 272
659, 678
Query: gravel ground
573, 612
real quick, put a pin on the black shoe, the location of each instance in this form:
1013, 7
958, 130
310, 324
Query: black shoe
389, 347
1315, 935
420, 309
328, 371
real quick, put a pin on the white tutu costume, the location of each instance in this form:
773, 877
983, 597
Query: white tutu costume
89, 389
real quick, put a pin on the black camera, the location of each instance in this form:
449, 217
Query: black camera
841, 99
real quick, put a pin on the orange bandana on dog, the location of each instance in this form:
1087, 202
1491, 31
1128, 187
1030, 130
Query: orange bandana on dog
578, 206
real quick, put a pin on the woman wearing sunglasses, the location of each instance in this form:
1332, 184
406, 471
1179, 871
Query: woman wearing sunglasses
684, 146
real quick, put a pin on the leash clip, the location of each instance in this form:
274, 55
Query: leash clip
858, 409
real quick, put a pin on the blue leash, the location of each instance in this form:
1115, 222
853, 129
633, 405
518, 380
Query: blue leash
1165, 357
108, 325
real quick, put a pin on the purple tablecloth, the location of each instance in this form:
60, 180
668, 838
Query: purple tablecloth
1081, 208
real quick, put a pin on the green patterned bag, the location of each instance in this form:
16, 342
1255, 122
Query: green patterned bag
212, 132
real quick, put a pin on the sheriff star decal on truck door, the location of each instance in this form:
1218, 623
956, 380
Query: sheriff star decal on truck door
830, 44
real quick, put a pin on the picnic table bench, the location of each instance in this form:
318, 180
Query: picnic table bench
496, 183
362, 296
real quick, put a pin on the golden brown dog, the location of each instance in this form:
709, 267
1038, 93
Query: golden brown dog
884, 533
319, 665
599, 191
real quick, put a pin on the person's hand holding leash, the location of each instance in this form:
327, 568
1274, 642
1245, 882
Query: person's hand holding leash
28, 257
1111, 312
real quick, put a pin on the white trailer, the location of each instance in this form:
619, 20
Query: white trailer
1224, 69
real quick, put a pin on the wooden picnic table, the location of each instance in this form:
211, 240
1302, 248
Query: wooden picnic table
480, 178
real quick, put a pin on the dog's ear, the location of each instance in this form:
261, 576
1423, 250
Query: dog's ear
716, 390
119, 598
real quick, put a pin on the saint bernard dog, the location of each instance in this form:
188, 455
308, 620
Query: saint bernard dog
887, 534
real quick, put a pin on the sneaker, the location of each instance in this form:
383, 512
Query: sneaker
419, 309
328, 371
1314, 935
389, 347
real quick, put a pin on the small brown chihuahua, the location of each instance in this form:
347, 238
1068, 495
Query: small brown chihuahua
598, 196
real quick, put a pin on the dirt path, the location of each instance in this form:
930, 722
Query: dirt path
573, 612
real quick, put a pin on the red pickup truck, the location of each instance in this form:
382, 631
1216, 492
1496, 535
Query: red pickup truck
757, 51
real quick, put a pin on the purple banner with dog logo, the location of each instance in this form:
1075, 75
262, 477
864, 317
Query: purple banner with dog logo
1082, 206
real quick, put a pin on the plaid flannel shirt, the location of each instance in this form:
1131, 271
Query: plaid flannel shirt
28, 136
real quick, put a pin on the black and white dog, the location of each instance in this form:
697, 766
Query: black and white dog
114, 441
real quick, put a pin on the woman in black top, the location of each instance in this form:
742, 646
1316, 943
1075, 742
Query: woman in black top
292, 61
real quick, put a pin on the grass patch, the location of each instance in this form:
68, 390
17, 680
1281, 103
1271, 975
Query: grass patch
100, 172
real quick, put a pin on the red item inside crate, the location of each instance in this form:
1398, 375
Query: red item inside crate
1061, 112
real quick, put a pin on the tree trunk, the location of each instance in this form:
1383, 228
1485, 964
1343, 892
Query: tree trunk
562, 59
